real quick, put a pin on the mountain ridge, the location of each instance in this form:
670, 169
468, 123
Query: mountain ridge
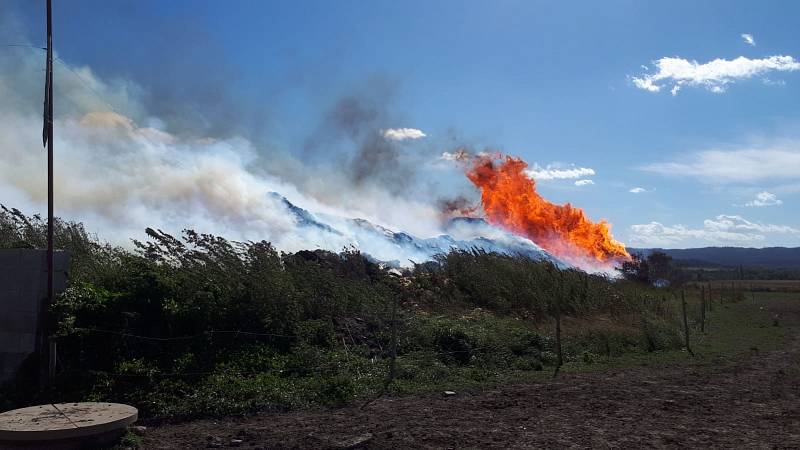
770, 257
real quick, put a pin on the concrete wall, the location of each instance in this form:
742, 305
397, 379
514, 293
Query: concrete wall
23, 285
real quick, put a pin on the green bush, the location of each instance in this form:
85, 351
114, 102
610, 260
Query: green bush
198, 325
658, 335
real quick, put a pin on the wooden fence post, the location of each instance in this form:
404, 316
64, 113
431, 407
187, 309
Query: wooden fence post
559, 354
710, 299
685, 323
702, 309
392, 358
558, 298
393, 354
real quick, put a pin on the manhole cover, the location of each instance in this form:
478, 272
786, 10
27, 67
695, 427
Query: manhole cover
64, 421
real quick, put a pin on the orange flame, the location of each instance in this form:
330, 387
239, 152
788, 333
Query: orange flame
510, 200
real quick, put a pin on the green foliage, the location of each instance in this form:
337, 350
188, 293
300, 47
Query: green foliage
658, 336
504, 283
656, 268
129, 440
199, 325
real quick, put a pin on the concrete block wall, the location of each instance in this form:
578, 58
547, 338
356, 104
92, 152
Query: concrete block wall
23, 285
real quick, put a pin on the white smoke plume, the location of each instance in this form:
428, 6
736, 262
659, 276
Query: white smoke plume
118, 170
122, 165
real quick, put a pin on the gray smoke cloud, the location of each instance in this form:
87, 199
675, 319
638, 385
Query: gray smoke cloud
124, 163
355, 123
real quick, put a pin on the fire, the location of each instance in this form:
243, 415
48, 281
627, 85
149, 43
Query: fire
510, 200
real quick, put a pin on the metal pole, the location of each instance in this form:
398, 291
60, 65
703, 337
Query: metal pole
50, 293
45, 360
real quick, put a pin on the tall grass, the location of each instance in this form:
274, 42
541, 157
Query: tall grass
200, 325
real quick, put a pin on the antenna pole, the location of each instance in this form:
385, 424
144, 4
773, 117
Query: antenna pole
50, 151
44, 347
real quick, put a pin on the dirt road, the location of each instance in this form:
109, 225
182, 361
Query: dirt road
750, 402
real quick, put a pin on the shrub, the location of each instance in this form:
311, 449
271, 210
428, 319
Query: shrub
658, 335
198, 325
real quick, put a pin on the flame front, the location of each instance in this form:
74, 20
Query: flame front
510, 200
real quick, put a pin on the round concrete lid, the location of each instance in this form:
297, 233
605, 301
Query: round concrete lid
64, 421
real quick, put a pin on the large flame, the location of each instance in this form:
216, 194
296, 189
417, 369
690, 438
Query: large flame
510, 200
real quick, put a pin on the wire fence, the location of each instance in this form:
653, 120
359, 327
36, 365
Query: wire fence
183, 338
326, 368
664, 306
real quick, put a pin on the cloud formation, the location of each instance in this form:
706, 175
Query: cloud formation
765, 199
714, 75
637, 190
402, 134
555, 173
723, 229
583, 182
749, 165
749, 39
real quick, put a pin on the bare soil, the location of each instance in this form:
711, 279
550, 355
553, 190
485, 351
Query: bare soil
750, 401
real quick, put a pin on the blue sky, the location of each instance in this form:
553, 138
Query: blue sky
551, 82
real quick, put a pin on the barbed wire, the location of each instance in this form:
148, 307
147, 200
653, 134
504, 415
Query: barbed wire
188, 337
156, 374
409, 356
183, 338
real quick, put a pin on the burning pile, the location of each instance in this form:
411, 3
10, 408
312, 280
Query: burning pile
510, 200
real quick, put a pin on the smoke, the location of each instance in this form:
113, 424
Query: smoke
355, 125
123, 163
127, 158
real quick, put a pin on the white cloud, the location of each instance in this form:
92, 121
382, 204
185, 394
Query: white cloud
779, 162
749, 39
714, 75
637, 190
402, 134
554, 173
583, 182
765, 199
723, 229
738, 223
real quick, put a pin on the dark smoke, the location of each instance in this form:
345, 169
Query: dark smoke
353, 115
356, 122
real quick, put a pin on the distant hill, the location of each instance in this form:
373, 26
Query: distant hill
771, 257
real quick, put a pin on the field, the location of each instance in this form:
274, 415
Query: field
768, 285
739, 390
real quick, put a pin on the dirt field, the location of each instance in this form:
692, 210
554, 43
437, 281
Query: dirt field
751, 401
